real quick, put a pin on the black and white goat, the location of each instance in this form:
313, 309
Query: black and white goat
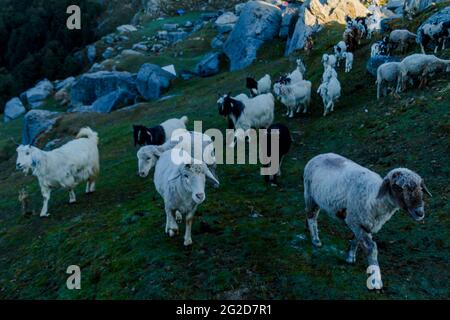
159, 134
433, 33
256, 113
261, 86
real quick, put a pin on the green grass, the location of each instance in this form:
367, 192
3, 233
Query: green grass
124, 254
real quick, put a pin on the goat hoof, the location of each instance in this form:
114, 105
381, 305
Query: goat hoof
351, 260
172, 233
44, 215
73, 202
187, 242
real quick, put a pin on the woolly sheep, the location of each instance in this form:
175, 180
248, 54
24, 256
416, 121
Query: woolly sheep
387, 72
402, 38
412, 67
65, 167
181, 183
363, 199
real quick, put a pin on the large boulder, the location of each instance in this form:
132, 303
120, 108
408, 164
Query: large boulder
91, 52
259, 22
91, 86
209, 65
152, 81
64, 84
13, 109
374, 62
126, 28
113, 101
320, 12
37, 122
35, 96
298, 33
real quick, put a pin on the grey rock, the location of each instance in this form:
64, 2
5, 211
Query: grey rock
113, 101
218, 42
140, 46
394, 4
170, 26
162, 35
298, 35
152, 81
37, 122
259, 22
226, 22
209, 65
91, 53
108, 53
91, 86
175, 36
207, 16
35, 96
374, 62
188, 24
13, 109
416, 6
64, 84
126, 28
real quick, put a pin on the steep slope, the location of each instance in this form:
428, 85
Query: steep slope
117, 238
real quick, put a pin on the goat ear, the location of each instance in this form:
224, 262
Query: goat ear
425, 189
384, 189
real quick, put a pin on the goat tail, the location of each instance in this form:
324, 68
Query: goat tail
88, 133
185, 119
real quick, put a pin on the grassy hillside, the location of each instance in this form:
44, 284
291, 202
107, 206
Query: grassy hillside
117, 235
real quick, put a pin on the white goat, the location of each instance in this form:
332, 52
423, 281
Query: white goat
256, 113
65, 167
296, 97
329, 73
328, 60
362, 199
298, 74
387, 72
330, 91
181, 183
339, 49
198, 145
348, 56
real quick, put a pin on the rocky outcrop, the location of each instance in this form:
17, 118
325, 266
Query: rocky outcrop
37, 122
441, 16
113, 101
290, 17
13, 109
416, 6
91, 86
152, 81
317, 13
259, 22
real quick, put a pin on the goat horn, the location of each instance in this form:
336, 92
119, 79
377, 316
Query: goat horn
14, 141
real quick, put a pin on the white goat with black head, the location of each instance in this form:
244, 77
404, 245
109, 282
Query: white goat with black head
261, 86
361, 198
180, 180
256, 113
65, 167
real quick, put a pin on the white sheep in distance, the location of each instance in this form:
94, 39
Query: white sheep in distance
348, 56
65, 167
402, 38
330, 91
181, 183
413, 66
387, 72
261, 86
296, 97
328, 60
363, 199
